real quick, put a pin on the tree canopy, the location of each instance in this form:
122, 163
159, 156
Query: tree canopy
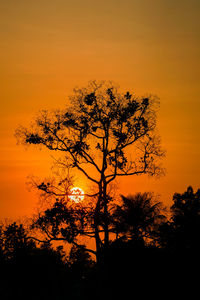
101, 122
104, 134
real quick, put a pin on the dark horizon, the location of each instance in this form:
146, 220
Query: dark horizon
161, 261
145, 47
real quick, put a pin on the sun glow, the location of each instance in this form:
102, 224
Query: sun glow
76, 194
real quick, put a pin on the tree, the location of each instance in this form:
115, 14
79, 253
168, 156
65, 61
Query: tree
15, 243
64, 222
80, 262
181, 233
104, 134
25, 266
138, 218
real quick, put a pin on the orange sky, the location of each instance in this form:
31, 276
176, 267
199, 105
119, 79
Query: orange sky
48, 47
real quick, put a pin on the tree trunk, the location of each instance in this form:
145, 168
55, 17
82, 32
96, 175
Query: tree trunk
106, 231
96, 225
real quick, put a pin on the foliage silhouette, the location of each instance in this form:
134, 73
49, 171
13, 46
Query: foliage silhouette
38, 272
104, 134
164, 261
66, 222
138, 218
182, 232
14, 242
97, 135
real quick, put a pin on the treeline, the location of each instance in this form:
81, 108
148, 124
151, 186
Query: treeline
152, 252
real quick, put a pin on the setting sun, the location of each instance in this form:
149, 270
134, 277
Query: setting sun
76, 194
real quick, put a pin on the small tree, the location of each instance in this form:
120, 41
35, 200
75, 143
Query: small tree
182, 231
113, 133
15, 242
80, 262
138, 218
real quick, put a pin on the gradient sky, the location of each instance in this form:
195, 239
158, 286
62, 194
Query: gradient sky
48, 47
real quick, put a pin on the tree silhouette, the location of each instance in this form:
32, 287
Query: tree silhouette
64, 222
29, 269
138, 218
104, 134
15, 243
181, 233
80, 262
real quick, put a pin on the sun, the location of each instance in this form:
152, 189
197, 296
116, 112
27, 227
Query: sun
76, 194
